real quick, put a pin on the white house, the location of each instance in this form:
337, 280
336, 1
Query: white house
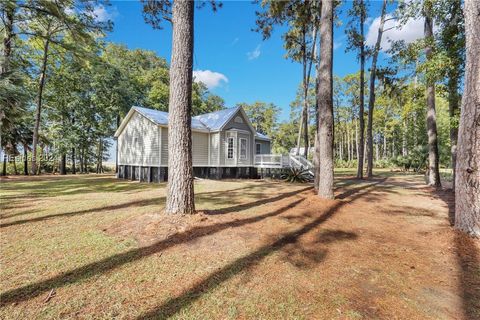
224, 145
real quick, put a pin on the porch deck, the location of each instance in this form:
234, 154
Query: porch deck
279, 161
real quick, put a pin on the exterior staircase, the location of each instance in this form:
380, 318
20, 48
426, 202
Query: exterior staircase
284, 161
302, 163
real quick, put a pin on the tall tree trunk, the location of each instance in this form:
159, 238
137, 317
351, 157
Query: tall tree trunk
385, 142
74, 168
307, 58
39, 166
316, 161
433, 168
361, 112
63, 165
393, 148
116, 146
340, 146
371, 100
316, 154
467, 185
180, 196
325, 102
357, 149
8, 37
454, 52
352, 144
404, 138
38, 111
349, 154
453, 100
97, 170
81, 161
25, 160
4, 169
305, 96
99, 156
415, 129
299, 139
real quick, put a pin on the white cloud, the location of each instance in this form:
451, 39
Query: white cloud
210, 78
409, 32
252, 55
102, 14
337, 44
235, 41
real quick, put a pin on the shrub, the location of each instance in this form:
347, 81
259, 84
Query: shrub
415, 160
297, 175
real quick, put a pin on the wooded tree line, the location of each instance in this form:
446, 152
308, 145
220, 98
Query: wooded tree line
78, 86
413, 100
65, 90
398, 131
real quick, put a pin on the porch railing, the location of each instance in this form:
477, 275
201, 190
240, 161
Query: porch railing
283, 161
271, 160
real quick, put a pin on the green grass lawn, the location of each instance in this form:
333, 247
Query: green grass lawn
52, 225
257, 249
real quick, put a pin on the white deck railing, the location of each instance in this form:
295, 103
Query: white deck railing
270, 160
282, 161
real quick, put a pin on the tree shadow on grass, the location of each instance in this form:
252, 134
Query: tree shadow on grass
352, 191
30, 291
33, 290
136, 203
308, 255
468, 259
173, 305
54, 186
220, 197
249, 205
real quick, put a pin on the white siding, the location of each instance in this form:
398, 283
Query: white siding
200, 149
143, 143
164, 146
264, 146
139, 142
214, 148
221, 145
233, 124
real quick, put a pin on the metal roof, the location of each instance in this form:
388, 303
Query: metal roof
262, 136
212, 121
161, 117
217, 119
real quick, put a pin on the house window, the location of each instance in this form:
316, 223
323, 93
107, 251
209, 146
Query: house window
238, 120
243, 149
258, 148
230, 148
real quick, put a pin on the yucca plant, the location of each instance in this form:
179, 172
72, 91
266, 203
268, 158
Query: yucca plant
297, 175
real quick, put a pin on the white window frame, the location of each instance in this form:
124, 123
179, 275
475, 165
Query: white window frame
244, 157
258, 150
228, 148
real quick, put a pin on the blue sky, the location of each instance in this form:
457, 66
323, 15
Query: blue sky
231, 58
